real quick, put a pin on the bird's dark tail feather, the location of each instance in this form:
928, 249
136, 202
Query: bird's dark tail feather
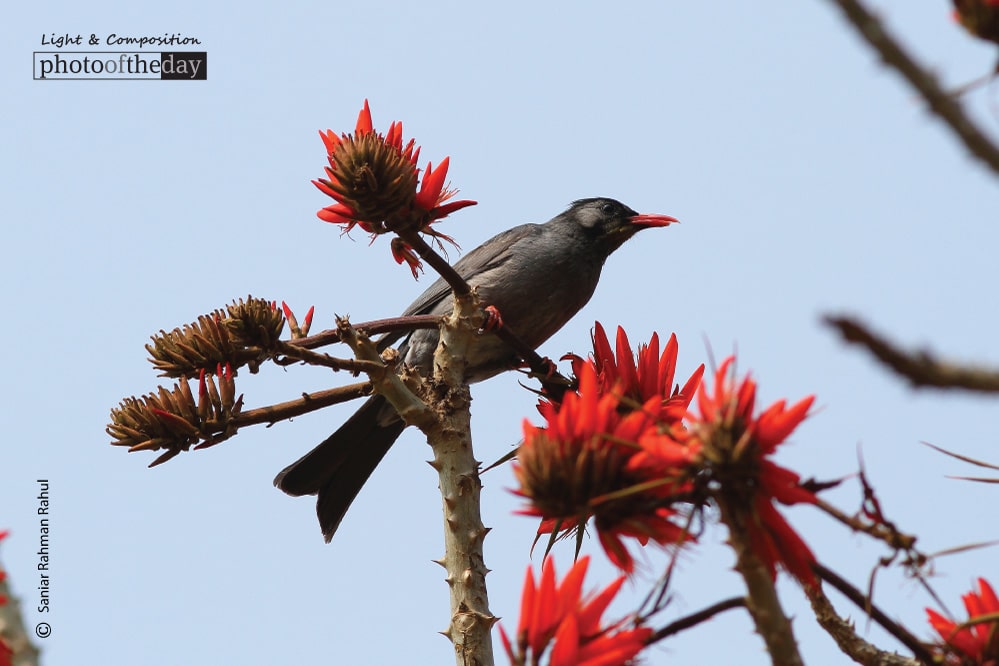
338, 468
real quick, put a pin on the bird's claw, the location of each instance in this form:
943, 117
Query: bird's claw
548, 369
494, 320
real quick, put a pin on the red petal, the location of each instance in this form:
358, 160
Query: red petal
336, 213
616, 552
330, 140
507, 646
441, 212
325, 189
627, 371
783, 485
590, 614
543, 616
394, 135
571, 589
527, 597
364, 125
431, 185
776, 423
789, 548
613, 650
990, 602
566, 644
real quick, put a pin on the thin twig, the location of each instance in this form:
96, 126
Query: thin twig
352, 365
919, 367
940, 102
332, 336
890, 536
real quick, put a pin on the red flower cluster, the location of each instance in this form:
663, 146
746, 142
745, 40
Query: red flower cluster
975, 641
735, 447
373, 179
581, 464
558, 616
624, 450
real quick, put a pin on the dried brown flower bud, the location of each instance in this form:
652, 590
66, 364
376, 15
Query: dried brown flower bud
237, 336
174, 420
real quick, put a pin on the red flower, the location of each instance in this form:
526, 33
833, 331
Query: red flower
638, 381
735, 446
558, 616
371, 176
373, 179
977, 640
577, 467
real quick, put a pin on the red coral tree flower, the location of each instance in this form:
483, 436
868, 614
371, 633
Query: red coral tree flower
558, 616
736, 447
577, 467
375, 182
975, 641
640, 377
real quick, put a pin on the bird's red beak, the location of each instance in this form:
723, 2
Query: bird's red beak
652, 220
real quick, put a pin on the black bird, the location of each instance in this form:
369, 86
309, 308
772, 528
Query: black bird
537, 275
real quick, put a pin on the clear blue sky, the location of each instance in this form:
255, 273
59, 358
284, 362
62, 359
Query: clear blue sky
809, 179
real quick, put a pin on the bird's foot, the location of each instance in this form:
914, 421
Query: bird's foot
548, 368
494, 320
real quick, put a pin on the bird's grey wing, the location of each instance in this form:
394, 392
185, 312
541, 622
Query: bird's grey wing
483, 258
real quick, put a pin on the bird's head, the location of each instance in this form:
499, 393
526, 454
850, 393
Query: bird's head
609, 222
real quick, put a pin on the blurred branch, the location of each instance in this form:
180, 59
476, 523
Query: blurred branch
919, 367
846, 638
772, 623
880, 531
940, 102
696, 618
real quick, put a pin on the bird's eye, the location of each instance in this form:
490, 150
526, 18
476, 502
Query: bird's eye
607, 208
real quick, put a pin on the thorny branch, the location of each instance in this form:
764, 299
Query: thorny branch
838, 627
